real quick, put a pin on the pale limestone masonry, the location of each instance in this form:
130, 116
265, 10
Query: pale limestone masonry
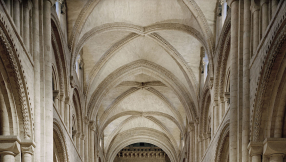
203, 80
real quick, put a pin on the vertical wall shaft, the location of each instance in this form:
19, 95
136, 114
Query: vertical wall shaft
48, 81
233, 80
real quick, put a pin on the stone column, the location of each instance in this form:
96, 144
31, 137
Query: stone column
255, 151
26, 24
255, 22
56, 99
201, 141
78, 142
27, 153
222, 109
192, 134
205, 141
8, 150
92, 130
234, 4
216, 115
82, 147
16, 14
67, 114
48, 80
246, 76
264, 13
4, 128
196, 143
62, 107
37, 79
86, 142
274, 4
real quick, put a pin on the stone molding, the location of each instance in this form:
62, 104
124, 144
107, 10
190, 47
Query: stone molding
222, 137
60, 141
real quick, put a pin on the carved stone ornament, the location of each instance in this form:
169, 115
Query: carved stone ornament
29, 150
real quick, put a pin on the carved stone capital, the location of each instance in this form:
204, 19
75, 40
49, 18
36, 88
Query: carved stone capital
274, 146
56, 94
191, 126
229, 2
72, 82
86, 120
28, 150
211, 81
262, 2
51, 1
67, 100
92, 125
9, 147
255, 148
83, 137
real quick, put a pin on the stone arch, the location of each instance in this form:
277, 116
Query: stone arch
78, 110
272, 69
135, 67
222, 55
88, 8
60, 49
125, 94
16, 83
204, 112
141, 135
222, 148
60, 151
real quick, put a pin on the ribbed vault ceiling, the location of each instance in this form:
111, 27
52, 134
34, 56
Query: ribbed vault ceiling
141, 67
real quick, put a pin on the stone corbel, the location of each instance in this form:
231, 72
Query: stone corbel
274, 146
255, 148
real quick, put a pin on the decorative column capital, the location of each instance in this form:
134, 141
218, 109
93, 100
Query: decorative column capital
255, 148
274, 146
52, 2
28, 150
92, 125
229, 2
191, 126
67, 100
254, 6
86, 120
83, 137
56, 94
9, 147
262, 2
